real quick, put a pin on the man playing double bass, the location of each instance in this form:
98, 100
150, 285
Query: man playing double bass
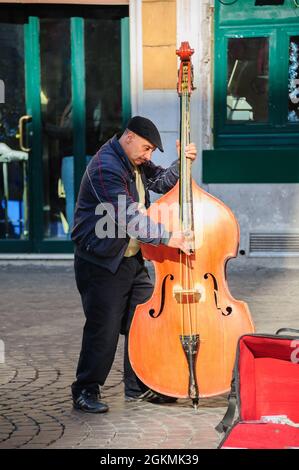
110, 272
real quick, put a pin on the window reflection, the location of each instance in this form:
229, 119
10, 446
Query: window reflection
14, 214
247, 79
103, 81
293, 102
56, 103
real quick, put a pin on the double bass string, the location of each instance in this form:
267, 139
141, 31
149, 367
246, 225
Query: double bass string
188, 209
181, 216
182, 210
188, 259
185, 267
192, 308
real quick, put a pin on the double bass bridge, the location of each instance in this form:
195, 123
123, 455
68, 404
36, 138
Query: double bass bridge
186, 296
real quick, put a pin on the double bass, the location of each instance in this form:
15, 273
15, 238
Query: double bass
182, 341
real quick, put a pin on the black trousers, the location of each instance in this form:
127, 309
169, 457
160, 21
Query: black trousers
109, 301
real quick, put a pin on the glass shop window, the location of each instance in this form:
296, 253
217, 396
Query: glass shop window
247, 80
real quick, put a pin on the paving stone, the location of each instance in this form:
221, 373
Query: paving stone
41, 326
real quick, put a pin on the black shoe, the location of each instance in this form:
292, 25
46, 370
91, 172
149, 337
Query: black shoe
89, 402
151, 397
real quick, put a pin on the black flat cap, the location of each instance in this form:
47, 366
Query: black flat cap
146, 128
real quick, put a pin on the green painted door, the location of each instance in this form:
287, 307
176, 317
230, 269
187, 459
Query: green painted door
68, 84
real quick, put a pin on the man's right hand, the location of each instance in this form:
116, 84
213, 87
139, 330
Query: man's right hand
182, 240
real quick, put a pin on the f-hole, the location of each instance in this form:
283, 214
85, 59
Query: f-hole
228, 309
152, 310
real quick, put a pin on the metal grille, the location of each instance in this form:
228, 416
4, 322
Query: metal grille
274, 243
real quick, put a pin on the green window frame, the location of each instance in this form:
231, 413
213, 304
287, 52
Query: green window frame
254, 152
278, 129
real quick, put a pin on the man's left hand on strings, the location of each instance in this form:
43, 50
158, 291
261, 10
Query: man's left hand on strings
190, 150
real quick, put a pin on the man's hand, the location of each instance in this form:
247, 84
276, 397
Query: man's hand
182, 240
190, 150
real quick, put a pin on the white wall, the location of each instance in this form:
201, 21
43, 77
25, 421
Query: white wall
258, 207
162, 106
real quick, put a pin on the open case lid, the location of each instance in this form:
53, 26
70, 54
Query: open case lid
268, 377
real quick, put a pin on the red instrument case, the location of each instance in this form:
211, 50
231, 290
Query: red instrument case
265, 388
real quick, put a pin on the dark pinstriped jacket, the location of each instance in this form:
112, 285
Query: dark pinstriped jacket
108, 176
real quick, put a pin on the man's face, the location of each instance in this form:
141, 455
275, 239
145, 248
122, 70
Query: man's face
139, 150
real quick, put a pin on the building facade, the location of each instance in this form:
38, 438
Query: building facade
72, 73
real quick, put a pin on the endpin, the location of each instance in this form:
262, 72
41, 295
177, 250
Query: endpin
195, 403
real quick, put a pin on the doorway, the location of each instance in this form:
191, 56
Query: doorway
66, 80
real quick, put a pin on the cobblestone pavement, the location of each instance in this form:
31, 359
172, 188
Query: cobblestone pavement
41, 325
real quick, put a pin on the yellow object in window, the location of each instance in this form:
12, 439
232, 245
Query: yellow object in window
61, 191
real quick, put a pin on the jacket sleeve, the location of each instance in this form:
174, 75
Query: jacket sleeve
161, 180
110, 189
